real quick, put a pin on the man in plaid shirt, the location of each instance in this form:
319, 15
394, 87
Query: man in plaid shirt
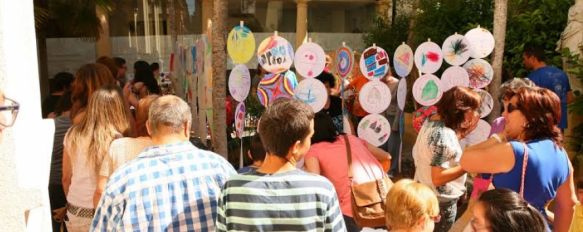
171, 186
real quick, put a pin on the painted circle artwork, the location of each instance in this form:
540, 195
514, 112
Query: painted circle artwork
240, 44
239, 82
403, 60
427, 90
428, 57
402, 93
480, 72
344, 61
375, 129
240, 119
487, 102
374, 97
312, 92
454, 76
310, 60
374, 63
275, 54
456, 49
274, 86
481, 42
479, 134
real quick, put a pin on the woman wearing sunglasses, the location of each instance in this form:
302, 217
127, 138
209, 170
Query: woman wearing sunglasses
528, 156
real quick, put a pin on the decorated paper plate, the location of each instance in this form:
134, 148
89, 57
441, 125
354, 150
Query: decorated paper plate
478, 135
274, 86
402, 93
480, 72
240, 119
240, 44
454, 76
344, 61
403, 60
310, 60
275, 54
312, 92
427, 90
375, 97
374, 63
481, 42
487, 102
375, 129
456, 49
239, 82
428, 57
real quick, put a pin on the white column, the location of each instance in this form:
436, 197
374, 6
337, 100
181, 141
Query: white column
146, 10
301, 21
103, 44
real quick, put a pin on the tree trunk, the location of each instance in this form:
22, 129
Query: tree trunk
219, 135
410, 41
500, 15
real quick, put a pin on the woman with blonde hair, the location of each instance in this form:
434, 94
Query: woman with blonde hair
411, 206
85, 146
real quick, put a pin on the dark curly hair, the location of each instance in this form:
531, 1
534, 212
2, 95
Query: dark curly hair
542, 110
507, 211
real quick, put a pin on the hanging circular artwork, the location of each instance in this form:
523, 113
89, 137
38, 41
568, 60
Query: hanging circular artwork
274, 86
402, 93
403, 60
427, 90
312, 92
428, 57
374, 63
239, 82
344, 61
480, 72
310, 60
374, 97
275, 54
375, 129
240, 44
481, 42
487, 102
240, 119
478, 135
454, 76
456, 49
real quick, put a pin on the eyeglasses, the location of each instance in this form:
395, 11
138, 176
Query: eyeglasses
510, 108
8, 112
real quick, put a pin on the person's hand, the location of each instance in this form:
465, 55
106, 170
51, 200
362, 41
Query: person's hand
127, 89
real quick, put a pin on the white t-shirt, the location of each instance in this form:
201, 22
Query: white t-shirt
438, 146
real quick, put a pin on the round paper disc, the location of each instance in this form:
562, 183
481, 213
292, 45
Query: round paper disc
312, 92
481, 42
427, 90
275, 54
487, 102
310, 60
480, 72
456, 50
239, 82
478, 135
374, 63
274, 86
344, 61
374, 97
240, 119
402, 93
428, 57
403, 60
375, 129
240, 44
454, 76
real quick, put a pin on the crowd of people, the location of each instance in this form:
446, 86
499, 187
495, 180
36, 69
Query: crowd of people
123, 160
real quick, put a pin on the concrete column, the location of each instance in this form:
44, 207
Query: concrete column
103, 44
301, 21
25, 168
146, 10
273, 16
207, 14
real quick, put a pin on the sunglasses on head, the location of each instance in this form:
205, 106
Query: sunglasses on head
510, 108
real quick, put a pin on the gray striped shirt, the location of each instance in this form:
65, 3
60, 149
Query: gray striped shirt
289, 201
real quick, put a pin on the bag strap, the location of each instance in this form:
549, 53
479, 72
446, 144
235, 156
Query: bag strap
348, 155
524, 164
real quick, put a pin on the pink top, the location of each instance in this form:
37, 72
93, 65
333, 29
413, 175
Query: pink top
334, 166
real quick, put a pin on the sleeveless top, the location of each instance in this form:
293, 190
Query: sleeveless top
83, 179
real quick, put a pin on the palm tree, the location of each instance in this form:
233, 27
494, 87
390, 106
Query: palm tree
500, 16
219, 135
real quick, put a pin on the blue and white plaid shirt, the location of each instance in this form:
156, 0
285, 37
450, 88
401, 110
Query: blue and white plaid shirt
166, 188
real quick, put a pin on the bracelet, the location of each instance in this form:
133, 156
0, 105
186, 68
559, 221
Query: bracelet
495, 136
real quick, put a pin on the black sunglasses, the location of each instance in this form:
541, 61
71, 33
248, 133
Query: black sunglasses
510, 108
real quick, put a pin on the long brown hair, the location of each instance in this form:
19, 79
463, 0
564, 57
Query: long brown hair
542, 110
106, 119
454, 104
88, 78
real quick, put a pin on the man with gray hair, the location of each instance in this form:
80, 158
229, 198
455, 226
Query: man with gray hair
171, 186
